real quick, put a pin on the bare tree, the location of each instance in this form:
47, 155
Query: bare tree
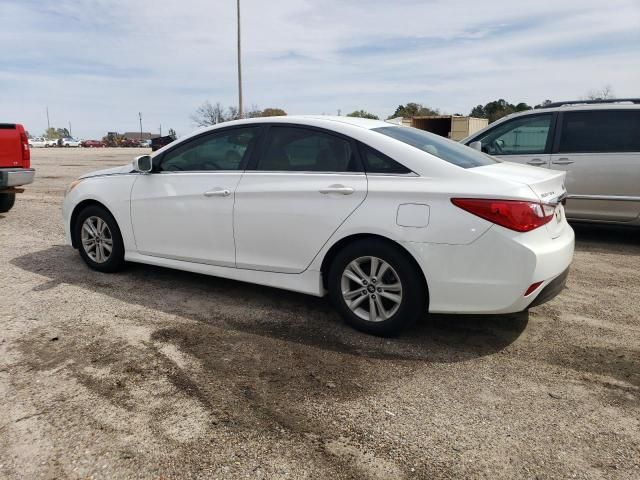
207, 114
604, 93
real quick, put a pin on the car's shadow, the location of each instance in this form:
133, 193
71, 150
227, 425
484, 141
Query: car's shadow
274, 313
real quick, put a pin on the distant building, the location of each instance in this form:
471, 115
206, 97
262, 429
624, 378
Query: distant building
451, 126
139, 136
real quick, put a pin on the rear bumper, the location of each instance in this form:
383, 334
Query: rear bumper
492, 274
15, 177
553, 288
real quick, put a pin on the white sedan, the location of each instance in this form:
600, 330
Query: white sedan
389, 221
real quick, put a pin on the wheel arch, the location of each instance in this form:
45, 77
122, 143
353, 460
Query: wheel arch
343, 242
76, 211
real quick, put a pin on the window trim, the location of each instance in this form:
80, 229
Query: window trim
551, 135
158, 159
260, 149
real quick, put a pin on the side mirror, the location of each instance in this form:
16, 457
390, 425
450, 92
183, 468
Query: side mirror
476, 146
143, 164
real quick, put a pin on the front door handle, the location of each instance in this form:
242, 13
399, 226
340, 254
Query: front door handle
562, 161
217, 192
337, 189
536, 162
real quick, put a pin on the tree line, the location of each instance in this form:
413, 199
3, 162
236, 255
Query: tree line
211, 114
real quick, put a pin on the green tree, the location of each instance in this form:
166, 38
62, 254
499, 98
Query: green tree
173, 134
363, 114
497, 109
55, 133
273, 112
413, 109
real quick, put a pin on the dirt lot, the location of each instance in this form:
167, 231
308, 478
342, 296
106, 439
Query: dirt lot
153, 373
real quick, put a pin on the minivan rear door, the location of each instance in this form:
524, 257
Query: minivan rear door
600, 151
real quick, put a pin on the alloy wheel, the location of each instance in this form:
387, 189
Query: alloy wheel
97, 240
371, 288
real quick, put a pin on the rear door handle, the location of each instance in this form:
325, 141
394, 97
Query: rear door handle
562, 161
536, 161
217, 192
337, 189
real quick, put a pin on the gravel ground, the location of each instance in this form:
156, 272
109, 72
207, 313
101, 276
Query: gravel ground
154, 373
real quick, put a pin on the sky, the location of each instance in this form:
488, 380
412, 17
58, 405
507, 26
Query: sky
97, 63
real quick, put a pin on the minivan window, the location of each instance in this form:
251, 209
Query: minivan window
441, 147
600, 131
292, 149
526, 135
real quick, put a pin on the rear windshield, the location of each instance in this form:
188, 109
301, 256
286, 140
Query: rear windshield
441, 147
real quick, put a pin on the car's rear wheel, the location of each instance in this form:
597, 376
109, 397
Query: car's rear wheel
7, 200
376, 287
99, 240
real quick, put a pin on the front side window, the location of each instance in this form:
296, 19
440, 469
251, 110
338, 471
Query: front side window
292, 149
521, 136
600, 131
441, 147
215, 151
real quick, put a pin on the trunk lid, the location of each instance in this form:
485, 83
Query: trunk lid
547, 185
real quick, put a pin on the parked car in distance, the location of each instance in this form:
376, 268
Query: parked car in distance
92, 144
15, 163
69, 142
145, 143
390, 221
41, 142
597, 143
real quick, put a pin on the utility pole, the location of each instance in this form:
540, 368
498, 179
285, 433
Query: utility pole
160, 129
140, 117
48, 124
70, 129
240, 113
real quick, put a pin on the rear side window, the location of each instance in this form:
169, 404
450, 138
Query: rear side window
292, 149
441, 147
600, 131
376, 162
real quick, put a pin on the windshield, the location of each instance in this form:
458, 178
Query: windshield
441, 147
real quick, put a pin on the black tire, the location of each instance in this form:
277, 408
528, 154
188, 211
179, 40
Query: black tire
115, 260
413, 303
7, 200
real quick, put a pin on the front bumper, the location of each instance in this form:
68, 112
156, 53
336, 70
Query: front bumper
15, 177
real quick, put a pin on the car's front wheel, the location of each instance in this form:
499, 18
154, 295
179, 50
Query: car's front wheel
99, 240
376, 287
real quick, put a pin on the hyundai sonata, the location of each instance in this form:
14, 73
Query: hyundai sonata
389, 221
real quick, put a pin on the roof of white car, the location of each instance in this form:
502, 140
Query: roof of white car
306, 119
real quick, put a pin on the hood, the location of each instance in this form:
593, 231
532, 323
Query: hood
110, 171
548, 185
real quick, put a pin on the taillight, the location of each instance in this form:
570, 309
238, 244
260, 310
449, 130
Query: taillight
512, 214
26, 152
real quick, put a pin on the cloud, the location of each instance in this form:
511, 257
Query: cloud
97, 63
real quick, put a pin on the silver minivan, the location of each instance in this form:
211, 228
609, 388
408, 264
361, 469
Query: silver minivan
596, 142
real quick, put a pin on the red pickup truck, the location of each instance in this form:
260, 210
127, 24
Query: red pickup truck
15, 163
